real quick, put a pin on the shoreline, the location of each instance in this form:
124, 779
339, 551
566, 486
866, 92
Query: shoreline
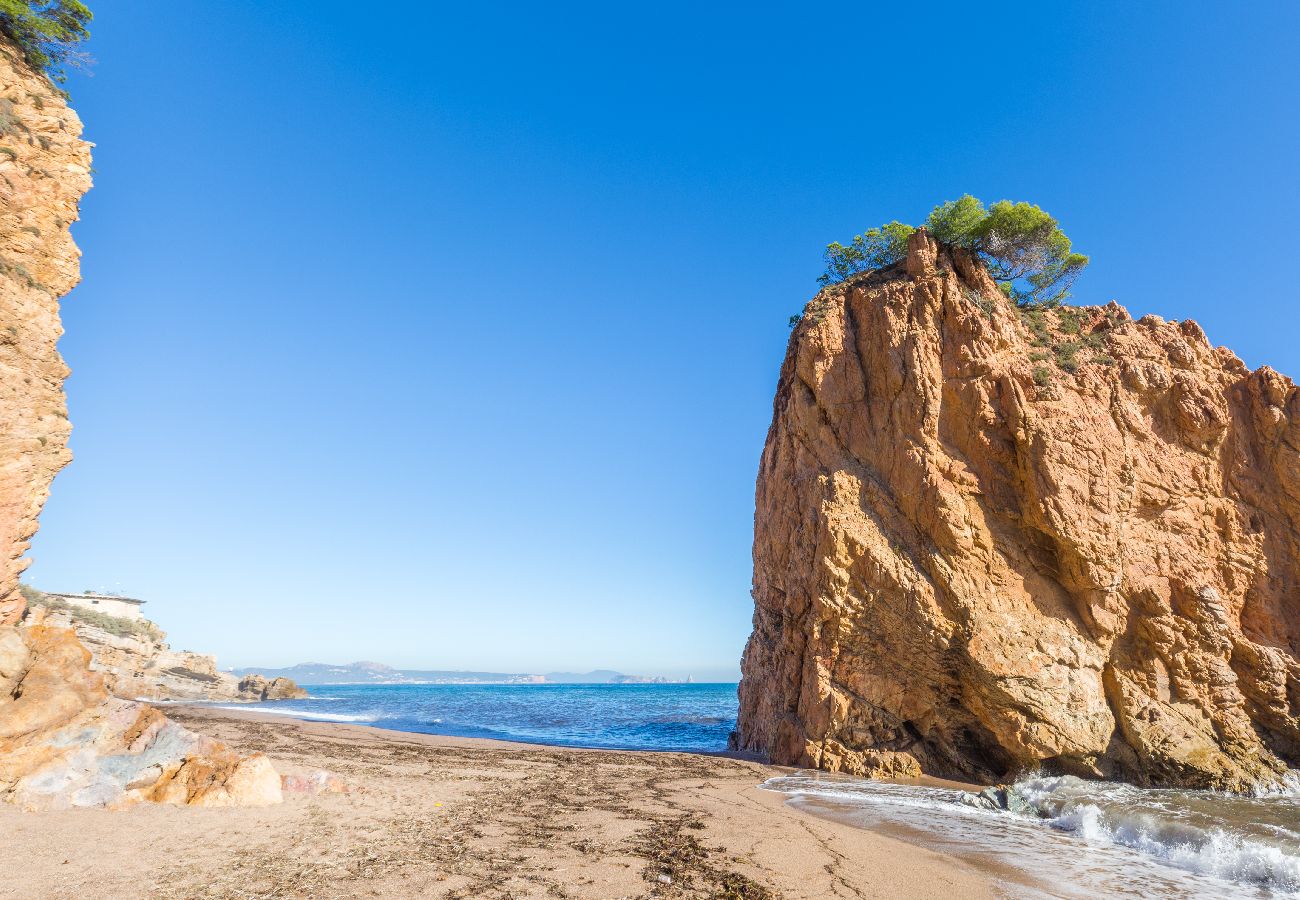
238, 707
457, 817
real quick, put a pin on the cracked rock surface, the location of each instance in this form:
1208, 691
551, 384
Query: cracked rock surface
990, 540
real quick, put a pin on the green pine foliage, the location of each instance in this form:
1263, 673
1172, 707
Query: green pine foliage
876, 249
47, 32
955, 221
1024, 248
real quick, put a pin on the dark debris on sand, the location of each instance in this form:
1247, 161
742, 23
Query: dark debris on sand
522, 832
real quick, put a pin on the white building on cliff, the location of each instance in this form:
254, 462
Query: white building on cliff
109, 604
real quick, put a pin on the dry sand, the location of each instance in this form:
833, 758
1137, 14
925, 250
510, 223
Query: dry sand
449, 817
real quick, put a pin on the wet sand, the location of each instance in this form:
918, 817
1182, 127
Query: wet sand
443, 817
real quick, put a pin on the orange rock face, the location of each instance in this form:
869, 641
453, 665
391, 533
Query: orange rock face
63, 740
44, 170
989, 541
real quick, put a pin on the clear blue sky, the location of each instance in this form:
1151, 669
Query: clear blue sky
446, 336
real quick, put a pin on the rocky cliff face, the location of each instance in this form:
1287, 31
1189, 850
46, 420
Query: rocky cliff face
44, 170
143, 667
988, 541
137, 664
63, 740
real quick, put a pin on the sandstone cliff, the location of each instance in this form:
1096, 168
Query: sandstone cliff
989, 540
137, 664
63, 740
44, 170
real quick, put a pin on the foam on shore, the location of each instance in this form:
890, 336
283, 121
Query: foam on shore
310, 715
1095, 838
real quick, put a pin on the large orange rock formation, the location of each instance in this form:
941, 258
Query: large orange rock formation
988, 541
63, 740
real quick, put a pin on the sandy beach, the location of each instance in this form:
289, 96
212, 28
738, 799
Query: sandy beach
464, 818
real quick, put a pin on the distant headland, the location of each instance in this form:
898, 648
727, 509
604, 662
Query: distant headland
378, 673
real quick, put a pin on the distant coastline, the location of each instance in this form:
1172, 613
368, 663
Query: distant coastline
312, 673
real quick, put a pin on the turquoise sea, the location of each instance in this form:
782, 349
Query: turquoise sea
695, 717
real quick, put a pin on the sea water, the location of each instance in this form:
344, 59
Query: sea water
689, 717
1083, 839
1068, 839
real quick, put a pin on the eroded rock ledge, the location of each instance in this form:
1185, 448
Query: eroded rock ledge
989, 541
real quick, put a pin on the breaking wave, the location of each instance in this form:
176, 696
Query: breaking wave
1100, 838
1238, 844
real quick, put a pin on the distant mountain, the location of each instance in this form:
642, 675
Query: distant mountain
604, 676
378, 673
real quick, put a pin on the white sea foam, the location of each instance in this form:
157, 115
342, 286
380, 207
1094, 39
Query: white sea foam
304, 714
326, 717
1160, 829
1135, 842
1287, 785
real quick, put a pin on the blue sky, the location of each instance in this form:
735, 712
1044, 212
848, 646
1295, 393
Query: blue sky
447, 337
